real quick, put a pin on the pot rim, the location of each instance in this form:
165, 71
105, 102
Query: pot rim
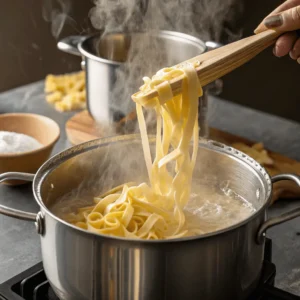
46, 168
173, 34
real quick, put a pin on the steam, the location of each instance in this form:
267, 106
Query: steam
113, 15
204, 19
57, 13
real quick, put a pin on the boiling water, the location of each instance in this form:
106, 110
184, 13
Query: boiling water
209, 209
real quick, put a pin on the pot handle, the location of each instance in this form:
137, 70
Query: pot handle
282, 218
15, 213
70, 44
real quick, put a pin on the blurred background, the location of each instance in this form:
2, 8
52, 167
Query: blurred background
28, 37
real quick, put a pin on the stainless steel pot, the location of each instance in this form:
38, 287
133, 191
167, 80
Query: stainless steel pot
103, 55
225, 264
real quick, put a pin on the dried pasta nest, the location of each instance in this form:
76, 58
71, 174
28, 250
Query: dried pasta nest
66, 92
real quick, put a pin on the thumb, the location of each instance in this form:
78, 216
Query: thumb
288, 20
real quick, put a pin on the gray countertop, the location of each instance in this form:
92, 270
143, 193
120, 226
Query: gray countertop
19, 244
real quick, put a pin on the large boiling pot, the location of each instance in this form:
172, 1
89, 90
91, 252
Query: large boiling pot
81, 265
104, 54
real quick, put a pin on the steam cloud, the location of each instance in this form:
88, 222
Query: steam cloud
205, 19
202, 18
57, 13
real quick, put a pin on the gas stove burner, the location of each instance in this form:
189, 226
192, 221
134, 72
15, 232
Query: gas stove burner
32, 284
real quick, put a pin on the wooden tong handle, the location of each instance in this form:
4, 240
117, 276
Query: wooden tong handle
217, 63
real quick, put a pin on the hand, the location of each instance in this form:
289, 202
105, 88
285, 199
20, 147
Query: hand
285, 18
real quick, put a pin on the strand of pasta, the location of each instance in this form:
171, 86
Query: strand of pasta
155, 211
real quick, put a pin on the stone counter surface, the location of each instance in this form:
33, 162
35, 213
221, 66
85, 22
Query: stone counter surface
19, 243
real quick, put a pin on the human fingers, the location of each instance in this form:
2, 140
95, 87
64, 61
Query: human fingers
285, 44
295, 51
284, 6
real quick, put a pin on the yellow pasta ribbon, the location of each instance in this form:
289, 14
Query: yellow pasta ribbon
155, 210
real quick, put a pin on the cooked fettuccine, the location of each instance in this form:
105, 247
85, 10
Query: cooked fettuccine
155, 210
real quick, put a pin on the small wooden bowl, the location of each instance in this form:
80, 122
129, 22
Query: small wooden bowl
43, 129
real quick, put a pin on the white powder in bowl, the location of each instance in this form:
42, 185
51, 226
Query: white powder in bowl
12, 142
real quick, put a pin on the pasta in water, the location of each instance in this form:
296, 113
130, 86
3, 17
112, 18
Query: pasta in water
156, 210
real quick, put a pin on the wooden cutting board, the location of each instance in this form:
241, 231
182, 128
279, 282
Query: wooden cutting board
82, 128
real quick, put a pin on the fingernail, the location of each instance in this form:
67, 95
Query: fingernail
275, 51
292, 56
259, 28
273, 21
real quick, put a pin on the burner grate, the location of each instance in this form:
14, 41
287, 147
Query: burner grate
32, 284
44, 291
36, 287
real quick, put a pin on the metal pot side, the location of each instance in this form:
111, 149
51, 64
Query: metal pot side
113, 268
81, 265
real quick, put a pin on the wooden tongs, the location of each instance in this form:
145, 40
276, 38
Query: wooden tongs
217, 63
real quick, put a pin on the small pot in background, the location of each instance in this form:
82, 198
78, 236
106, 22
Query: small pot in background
103, 55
